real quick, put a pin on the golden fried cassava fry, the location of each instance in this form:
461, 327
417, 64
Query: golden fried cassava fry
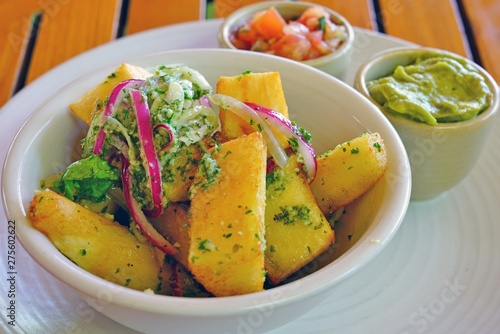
94, 242
348, 171
261, 88
93, 100
296, 229
226, 218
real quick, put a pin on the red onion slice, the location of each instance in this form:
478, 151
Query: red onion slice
138, 216
205, 102
170, 132
283, 124
259, 125
115, 97
145, 133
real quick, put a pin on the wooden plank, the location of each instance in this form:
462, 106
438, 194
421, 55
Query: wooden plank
15, 32
12, 51
150, 14
11, 10
223, 8
426, 22
484, 17
363, 15
68, 28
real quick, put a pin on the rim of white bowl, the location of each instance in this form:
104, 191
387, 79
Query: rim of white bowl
367, 248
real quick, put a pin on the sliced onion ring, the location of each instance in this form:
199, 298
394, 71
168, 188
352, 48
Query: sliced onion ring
115, 97
170, 132
138, 216
259, 125
145, 133
205, 102
283, 124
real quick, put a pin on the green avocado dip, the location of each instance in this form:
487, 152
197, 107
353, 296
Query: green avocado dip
435, 88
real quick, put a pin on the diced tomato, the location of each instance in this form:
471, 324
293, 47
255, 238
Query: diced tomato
270, 24
322, 47
295, 47
313, 53
318, 43
240, 44
247, 34
310, 17
303, 39
315, 36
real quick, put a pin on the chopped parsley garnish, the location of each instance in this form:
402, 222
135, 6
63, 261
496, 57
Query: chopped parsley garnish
290, 214
275, 182
207, 245
306, 135
322, 23
294, 144
208, 170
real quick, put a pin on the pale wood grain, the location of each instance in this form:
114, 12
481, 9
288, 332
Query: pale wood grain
69, 28
12, 51
15, 32
484, 16
426, 22
149, 14
11, 10
223, 8
358, 12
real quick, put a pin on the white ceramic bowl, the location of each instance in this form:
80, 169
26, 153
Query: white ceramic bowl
331, 110
442, 155
334, 63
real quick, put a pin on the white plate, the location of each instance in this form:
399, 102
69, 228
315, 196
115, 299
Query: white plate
438, 275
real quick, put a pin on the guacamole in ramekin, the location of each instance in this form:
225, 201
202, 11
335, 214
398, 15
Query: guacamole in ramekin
435, 88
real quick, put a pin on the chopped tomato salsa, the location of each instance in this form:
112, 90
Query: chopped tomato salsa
311, 35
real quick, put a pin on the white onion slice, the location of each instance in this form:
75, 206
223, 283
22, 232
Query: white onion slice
257, 123
283, 125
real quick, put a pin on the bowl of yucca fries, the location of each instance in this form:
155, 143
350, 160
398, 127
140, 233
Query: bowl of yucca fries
206, 187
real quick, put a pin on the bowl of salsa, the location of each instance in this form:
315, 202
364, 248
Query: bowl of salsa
301, 31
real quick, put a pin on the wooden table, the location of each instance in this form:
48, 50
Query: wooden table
37, 35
